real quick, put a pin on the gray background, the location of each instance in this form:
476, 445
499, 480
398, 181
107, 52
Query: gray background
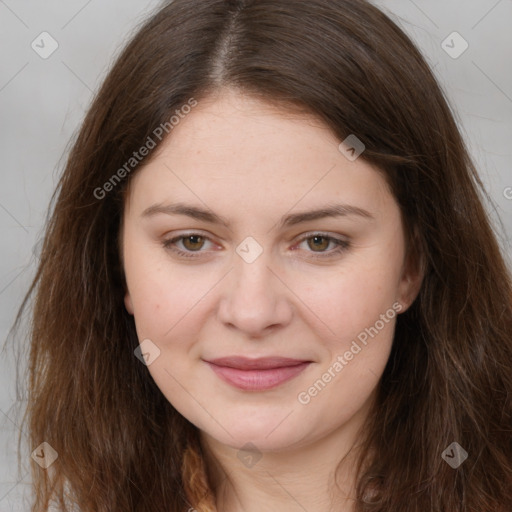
42, 102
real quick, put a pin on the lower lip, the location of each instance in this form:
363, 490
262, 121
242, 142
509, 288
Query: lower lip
258, 380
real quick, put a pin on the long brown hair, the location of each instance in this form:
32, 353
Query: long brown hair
121, 445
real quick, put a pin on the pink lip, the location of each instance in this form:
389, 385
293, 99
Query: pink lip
257, 374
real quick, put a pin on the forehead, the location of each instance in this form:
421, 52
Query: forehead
237, 150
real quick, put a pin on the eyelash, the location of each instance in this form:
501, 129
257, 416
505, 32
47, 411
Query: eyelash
341, 245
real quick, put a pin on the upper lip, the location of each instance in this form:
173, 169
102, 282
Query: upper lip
262, 363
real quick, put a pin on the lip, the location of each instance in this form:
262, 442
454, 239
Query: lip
257, 374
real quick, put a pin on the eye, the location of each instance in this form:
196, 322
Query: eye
191, 241
194, 242
321, 241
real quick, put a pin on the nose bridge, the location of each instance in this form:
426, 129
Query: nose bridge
255, 298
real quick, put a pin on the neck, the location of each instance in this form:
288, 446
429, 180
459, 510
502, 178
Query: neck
317, 477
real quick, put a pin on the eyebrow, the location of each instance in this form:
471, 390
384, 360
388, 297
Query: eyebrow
332, 210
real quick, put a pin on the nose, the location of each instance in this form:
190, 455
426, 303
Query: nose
255, 299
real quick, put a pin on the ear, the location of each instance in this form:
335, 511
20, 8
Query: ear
413, 272
128, 302
127, 299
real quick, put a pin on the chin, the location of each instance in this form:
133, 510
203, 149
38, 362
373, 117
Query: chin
271, 435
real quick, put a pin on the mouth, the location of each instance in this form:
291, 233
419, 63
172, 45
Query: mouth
257, 374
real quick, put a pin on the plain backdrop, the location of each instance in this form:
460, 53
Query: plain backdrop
43, 101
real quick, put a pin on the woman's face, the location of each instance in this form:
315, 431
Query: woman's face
261, 275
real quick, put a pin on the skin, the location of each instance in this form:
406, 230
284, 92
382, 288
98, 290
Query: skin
252, 164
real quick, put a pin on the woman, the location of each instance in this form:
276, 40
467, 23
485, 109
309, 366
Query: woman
195, 347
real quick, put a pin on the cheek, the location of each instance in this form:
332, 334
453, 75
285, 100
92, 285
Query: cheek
156, 291
359, 334
358, 353
358, 310
163, 307
353, 298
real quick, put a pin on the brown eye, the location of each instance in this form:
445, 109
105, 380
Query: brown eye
317, 242
191, 245
193, 242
